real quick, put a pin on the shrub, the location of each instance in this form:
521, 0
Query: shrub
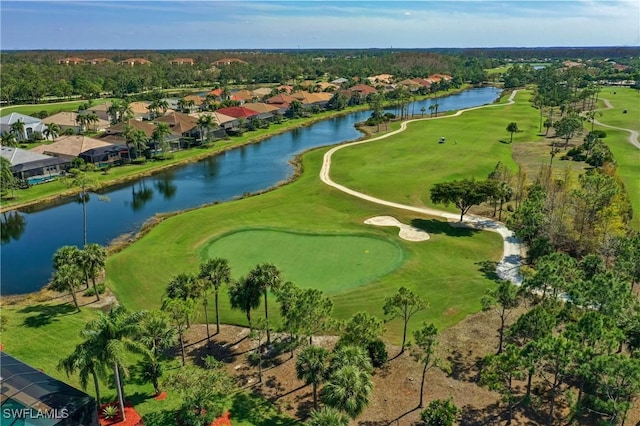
110, 412
440, 413
377, 353
139, 160
91, 291
601, 134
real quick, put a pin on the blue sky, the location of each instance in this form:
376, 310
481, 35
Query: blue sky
206, 24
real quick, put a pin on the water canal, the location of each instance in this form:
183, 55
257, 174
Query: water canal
31, 236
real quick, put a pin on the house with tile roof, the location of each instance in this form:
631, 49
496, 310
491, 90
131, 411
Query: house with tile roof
71, 61
101, 110
70, 147
262, 92
281, 101
26, 164
363, 89
227, 61
140, 110
135, 61
31, 124
380, 79
115, 134
182, 61
96, 61
243, 96
69, 120
238, 112
182, 126
339, 81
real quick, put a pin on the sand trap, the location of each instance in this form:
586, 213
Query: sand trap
407, 232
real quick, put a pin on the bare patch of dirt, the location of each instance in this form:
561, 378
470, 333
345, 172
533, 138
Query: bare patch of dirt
396, 386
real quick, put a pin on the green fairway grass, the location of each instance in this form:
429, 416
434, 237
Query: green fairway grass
404, 167
52, 108
624, 98
445, 270
334, 263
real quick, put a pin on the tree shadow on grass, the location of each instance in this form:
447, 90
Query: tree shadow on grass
257, 411
436, 227
45, 314
160, 418
488, 269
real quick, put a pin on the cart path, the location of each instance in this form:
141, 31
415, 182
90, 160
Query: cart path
508, 267
633, 136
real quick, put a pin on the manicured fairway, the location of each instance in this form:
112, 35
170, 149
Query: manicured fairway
624, 98
334, 263
403, 167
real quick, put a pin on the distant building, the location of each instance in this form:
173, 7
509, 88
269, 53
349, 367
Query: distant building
135, 61
227, 61
99, 61
71, 61
182, 61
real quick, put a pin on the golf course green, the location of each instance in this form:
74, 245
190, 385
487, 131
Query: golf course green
331, 262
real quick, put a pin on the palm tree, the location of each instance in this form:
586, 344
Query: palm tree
213, 273
9, 139
67, 277
82, 121
350, 355
157, 335
7, 180
204, 124
184, 287
84, 181
17, 128
244, 294
112, 336
85, 361
52, 130
327, 416
312, 368
92, 259
422, 110
92, 118
137, 138
66, 255
512, 128
348, 390
114, 111
266, 277
161, 131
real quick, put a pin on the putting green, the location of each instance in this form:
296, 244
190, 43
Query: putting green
330, 262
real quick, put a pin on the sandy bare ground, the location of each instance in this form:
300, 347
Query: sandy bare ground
509, 266
407, 232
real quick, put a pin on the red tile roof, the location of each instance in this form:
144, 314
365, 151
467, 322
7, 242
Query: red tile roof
238, 112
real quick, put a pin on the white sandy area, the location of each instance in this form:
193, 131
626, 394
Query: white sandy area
407, 232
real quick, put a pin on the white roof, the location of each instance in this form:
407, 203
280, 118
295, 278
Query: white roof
16, 116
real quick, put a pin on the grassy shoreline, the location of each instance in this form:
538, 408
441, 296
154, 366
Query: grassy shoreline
54, 191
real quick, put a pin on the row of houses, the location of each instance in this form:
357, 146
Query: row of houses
74, 60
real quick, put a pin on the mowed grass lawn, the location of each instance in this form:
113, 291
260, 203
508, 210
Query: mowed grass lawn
627, 156
44, 333
404, 167
332, 262
51, 108
444, 270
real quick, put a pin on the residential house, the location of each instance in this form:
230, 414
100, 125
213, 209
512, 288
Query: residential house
281, 101
69, 120
102, 111
223, 121
196, 100
71, 61
265, 111
284, 88
217, 94
380, 79
243, 96
105, 155
115, 134
262, 92
140, 110
227, 61
238, 112
339, 81
31, 125
181, 125
319, 99
323, 86
182, 61
26, 164
99, 61
363, 89
135, 61
70, 147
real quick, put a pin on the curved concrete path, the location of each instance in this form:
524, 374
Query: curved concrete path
508, 268
633, 136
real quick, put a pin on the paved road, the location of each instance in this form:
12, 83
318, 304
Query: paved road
508, 268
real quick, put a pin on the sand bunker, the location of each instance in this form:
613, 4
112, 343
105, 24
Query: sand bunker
407, 232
